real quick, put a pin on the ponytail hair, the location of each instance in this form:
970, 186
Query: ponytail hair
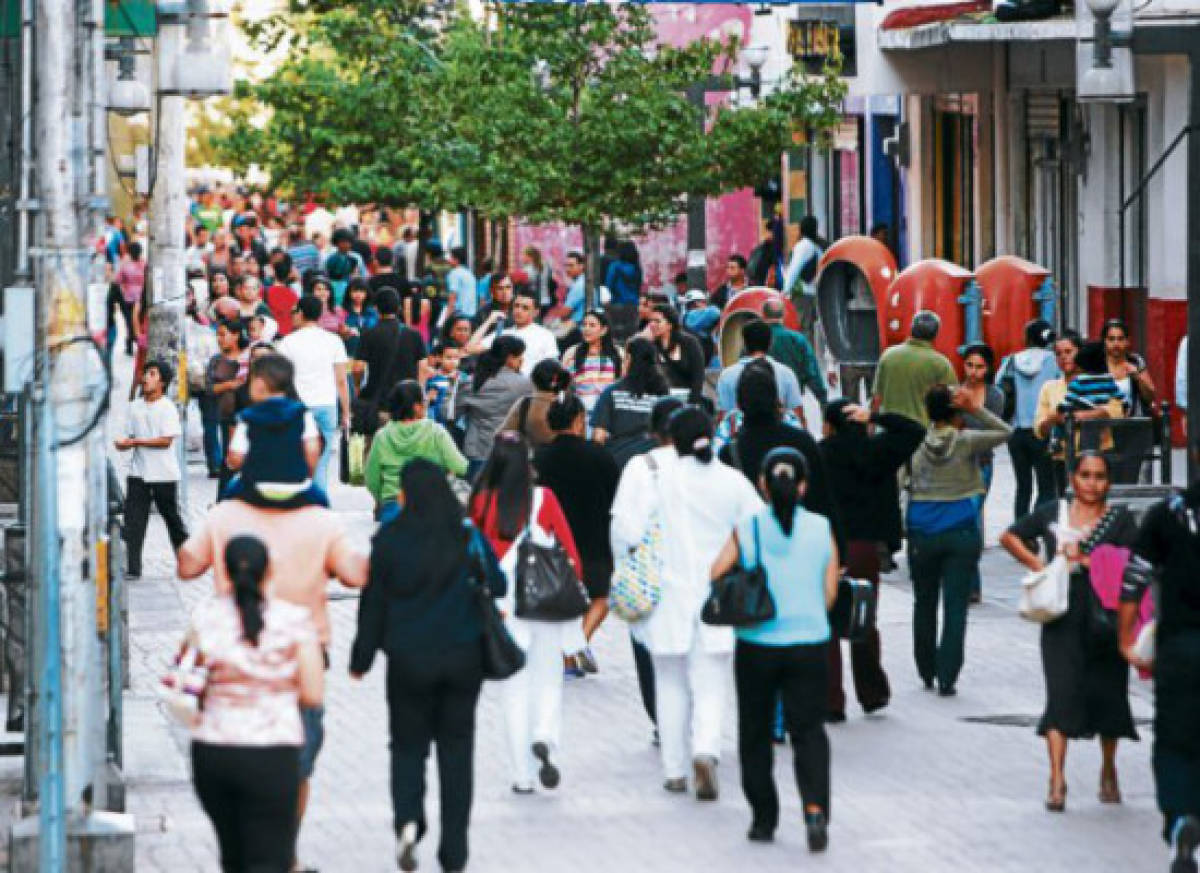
692, 434
783, 471
563, 411
246, 563
550, 375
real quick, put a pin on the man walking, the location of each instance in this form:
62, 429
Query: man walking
800, 277
388, 353
154, 466
756, 342
792, 349
906, 372
460, 284
320, 361
1022, 376
735, 281
1168, 547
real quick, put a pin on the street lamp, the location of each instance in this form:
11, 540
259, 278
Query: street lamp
194, 54
1106, 70
127, 96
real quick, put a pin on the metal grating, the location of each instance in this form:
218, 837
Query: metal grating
1043, 115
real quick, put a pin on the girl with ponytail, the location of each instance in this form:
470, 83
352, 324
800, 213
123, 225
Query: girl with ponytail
584, 477
787, 656
264, 663
496, 385
527, 416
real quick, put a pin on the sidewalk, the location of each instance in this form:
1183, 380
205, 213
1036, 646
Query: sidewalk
930, 784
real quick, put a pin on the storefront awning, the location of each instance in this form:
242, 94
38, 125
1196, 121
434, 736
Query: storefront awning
942, 33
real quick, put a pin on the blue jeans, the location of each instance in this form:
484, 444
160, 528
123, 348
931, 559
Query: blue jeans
941, 565
326, 418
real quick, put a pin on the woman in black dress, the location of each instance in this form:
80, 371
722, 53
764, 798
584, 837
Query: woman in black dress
1087, 680
583, 476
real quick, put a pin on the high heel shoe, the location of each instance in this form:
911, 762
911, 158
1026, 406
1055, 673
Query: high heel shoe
1110, 790
1056, 801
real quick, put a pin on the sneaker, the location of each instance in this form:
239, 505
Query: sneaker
869, 708
1184, 839
519, 788
760, 834
406, 847
705, 769
548, 774
835, 717
678, 785
587, 661
946, 690
817, 830
571, 669
654, 739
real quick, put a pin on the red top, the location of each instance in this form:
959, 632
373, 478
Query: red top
549, 518
281, 299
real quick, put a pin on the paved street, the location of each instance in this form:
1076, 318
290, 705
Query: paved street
928, 785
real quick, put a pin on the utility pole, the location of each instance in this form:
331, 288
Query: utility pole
68, 681
167, 298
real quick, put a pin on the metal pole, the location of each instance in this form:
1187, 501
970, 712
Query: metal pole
1193, 265
168, 226
697, 232
23, 272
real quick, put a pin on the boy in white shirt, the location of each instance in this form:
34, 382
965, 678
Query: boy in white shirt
152, 429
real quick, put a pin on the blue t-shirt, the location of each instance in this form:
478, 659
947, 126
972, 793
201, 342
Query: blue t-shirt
576, 299
795, 568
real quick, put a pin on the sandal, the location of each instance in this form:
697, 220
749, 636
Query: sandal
1056, 801
1110, 791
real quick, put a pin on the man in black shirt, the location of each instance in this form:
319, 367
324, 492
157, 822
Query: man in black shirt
388, 353
1168, 545
387, 277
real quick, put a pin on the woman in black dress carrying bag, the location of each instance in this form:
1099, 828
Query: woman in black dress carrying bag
1087, 679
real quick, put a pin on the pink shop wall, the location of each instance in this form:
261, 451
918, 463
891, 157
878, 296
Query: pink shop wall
732, 220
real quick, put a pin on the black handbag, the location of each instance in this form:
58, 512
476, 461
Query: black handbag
853, 613
502, 657
548, 588
740, 598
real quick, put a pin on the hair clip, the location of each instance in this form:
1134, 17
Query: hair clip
701, 443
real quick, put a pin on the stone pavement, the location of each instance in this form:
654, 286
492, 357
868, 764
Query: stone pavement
929, 784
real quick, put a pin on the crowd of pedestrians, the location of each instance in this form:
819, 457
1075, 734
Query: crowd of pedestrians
519, 452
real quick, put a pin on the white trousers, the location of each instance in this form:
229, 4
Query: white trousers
689, 694
533, 700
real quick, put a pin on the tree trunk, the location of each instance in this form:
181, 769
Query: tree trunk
591, 259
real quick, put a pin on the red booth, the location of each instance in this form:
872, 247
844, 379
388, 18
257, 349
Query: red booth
1014, 293
745, 306
935, 285
852, 284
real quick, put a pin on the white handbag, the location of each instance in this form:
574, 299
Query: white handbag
1046, 594
182, 688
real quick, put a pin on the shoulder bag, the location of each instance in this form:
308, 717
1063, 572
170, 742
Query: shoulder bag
182, 689
548, 588
740, 597
637, 578
1046, 593
853, 613
502, 657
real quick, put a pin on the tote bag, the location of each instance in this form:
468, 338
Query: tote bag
637, 578
1046, 593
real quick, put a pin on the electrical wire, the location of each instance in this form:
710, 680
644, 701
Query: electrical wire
102, 406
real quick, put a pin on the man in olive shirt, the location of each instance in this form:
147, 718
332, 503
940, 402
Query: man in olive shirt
906, 372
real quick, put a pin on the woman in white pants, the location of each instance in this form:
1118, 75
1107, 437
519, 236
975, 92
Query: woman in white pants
506, 506
698, 501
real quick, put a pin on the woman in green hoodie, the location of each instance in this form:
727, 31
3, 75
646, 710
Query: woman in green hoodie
944, 539
407, 436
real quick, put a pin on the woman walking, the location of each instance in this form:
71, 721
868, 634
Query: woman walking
495, 386
786, 656
944, 541
978, 365
679, 353
264, 663
506, 506
583, 476
862, 468
1087, 679
528, 415
421, 609
698, 501
407, 437
358, 316
1138, 397
596, 362
621, 417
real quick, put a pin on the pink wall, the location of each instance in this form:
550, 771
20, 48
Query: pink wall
733, 220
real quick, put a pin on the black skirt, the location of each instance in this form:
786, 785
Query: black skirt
1087, 684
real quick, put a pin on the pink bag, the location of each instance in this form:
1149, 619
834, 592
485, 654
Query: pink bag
1107, 568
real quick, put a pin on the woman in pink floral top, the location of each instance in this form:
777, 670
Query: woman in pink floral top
263, 663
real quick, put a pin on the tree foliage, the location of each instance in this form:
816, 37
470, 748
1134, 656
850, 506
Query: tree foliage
552, 112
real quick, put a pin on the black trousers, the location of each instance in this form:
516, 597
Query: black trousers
250, 794
866, 658
139, 495
1176, 753
1031, 461
799, 675
432, 698
643, 664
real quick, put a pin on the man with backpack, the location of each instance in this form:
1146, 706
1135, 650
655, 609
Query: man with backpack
1021, 377
800, 277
